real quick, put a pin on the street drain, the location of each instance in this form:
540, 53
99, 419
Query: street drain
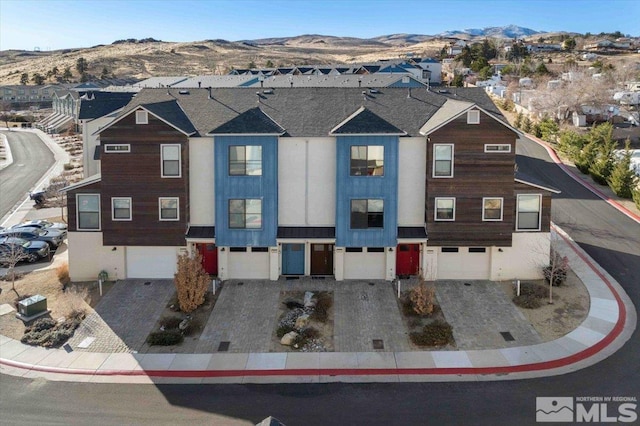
378, 344
507, 336
224, 346
371, 283
317, 278
240, 283
467, 284
147, 283
291, 278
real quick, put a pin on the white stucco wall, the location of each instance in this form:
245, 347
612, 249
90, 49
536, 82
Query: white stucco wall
412, 159
87, 257
248, 265
201, 182
306, 181
525, 259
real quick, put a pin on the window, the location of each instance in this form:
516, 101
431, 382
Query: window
528, 212
497, 147
449, 249
473, 117
353, 249
259, 249
245, 214
171, 161
121, 208
238, 249
445, 209
491, 209
169, 208
142, 117
367, 160
121, 148
375, 250
245, 160
367, 214
88, 208
443, 160
477, 250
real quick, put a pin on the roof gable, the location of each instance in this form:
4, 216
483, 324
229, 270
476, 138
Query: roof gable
168, 112
366, 122
253, 121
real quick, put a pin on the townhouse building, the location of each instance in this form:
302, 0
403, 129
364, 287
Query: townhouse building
340, 182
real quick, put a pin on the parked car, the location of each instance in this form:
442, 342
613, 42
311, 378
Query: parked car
51, 236
43, 224
13, 248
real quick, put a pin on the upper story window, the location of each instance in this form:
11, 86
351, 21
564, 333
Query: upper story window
473, 117
443, 160
367, 214
528, 212
168, 208
245, 213
445, 209
367, 160
121, 208
497, 147
170, 161
492, 209
117, 148
245, 160
88, 212
142, 117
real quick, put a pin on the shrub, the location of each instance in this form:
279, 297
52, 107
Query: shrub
557, 269
284, 329
422, 298
170, 323
623, 178
321, 311
50, 334
62, 272
636, 197
191, 282
68, 166
532, 289
527, 301
192, 326
309, 333
165, 338
438, 333
519, 119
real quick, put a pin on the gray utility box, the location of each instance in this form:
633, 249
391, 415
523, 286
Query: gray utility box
32, 305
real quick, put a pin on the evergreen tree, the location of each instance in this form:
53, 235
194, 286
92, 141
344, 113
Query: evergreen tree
623, 178
518, 121
526, 125
24, 78
66, 75
82, 65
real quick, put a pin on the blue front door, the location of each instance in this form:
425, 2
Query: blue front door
292, 259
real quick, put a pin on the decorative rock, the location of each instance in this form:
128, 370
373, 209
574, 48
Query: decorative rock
183, 324
309, 301
289, 338
302, 321
292, 304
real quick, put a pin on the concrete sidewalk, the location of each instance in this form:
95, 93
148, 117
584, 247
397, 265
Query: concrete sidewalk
610, 322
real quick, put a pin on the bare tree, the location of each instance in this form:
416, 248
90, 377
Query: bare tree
12, 252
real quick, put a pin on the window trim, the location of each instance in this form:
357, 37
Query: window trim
245, 159
497, 145
142, 117
367, 160
484, 218
433, 171
518, 229
473, 116
127, 148
162, 160
244, 228
113, 212
99, 228
435, 209
160, 218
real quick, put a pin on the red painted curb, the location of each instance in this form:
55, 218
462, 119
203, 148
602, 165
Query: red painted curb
546, 365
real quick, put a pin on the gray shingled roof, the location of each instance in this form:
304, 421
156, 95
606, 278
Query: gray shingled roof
253, 121
310, 112
103, 103
171, 112
364, 121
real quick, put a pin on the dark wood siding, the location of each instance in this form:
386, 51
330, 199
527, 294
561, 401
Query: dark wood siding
138, 175
93, 188
476, 174
545, 220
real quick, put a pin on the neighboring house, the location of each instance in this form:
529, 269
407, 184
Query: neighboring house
334, 182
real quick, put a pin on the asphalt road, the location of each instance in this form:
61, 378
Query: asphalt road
609, 237
31, 160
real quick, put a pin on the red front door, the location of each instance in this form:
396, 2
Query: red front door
407, 259
209, 253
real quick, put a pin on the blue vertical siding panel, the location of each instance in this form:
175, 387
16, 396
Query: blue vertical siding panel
264, 187
361, 187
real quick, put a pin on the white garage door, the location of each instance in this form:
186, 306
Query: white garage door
464, 265
360, 266
249, 265
151, 262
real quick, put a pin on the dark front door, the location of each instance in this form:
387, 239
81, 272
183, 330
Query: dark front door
292, 259
209, 253
321, 259
407, 259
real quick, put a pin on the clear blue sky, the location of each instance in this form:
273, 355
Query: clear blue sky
57, 24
